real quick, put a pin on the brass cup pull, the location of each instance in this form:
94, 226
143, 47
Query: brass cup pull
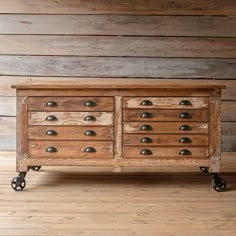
146, 103
185, 103
185, 140
51, 149
51, 133
146, 152
146, 115
146, 127
185, 115
146, 140
185, 128
90, 104
89, 149
89, 118
90, 133
51, 118
185, 152
51, 104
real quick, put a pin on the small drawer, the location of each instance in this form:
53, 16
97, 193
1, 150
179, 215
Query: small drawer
165, 140
164, 115
70, 118
70, 133
165, 127
166, 102
70, 149
165, 152
70, 103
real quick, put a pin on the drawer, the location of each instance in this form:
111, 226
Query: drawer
165, 140
166, 102
70, 103
165, 152
165, 127
70, 118
164, 115
70, 133
71, 149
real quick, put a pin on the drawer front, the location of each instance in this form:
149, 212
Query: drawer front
164, 115
70, 149
165, 140
70, 118
165, 127
70, 103
165, 152
166, 102
70, 133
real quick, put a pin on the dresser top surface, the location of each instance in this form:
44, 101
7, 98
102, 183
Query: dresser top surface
117, 83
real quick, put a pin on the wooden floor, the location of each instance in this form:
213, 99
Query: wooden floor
64, 201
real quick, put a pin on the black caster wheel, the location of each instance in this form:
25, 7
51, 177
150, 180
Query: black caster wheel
18, 184
204, 169
218, 183
35, 168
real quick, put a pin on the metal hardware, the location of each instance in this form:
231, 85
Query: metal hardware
51, 133
185, 103
146, 127
51, 118
146, 152
185, 128
18, 183
51, 104
218, 183
89, 149
204, 169
185, 115
146, 115
51, 149
185, 152
90, 104
89, 118
146, 103
146, 140
90, 133
185, 140
35, 168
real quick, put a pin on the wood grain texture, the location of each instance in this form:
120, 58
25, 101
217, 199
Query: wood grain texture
159, 7
118, 127
7, 106
118, 46
117, 67
201, 26
228, 111
228, 136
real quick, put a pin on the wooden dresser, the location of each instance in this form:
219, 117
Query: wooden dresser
118, 123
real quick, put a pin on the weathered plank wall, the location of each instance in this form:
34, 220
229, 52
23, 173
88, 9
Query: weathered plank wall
67, 39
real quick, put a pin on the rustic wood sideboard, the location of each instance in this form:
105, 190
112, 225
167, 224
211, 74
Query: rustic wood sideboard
118, 123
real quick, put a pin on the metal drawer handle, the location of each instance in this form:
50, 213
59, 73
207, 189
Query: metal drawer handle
90, 104
89, 118
185, 127
185, 152
51, 149
185, 103
185, 140
90, 133
146, 103
51, 118
146, 152
146, 115
185, 115
146, 140
89, 149
51, 104
146, 127
51, 133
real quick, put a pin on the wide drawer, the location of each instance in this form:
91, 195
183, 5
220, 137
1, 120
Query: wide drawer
71, 149
166, 102
70, 118
70, 133
165, 152
70, 103
165, 127
164, 115
165, 140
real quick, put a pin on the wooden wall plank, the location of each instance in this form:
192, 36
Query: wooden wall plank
117, 67
228, 111
228, 136
160, 7
200, 26
118, 46
7, 106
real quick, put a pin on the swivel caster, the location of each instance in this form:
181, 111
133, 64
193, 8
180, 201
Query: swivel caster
204, 169
218, 183
18, 183
35, 168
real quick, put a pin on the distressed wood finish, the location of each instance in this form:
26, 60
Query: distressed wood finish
164, 139
71, 118
70, 149
118, 127
164, 115
71, 103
